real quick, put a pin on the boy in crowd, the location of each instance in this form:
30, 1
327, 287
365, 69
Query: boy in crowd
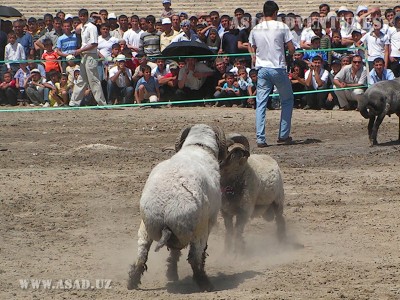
14, 52
147, 87
228, 90
8, 90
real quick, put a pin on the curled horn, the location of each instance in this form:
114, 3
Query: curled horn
181, 138
221, 142
235, 139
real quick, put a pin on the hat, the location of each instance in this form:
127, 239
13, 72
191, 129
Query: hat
361, 8
77, 69
315, 37
120, 57
356, 31
342, 8
112, 16
165, 21
166, 1
185, 22
69, 57
335, 62
173, 65
35, 71
68, 16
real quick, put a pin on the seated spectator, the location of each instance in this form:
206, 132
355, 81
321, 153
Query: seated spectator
63, 89
147, 88
120, 89
335, 68
245, 85
171, 79
252, 90
354, 75
228, 90
379, 72
316, 79
52, 92
240, 62
298, 81
71, 66
345, 61
143, 61
8, 90
34, 87
20, 77
159, 72
195, 80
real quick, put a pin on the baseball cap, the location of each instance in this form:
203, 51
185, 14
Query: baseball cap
35, 71
69, 57
68, 16
112, 16
120, 57
166, 1
315, 37
342, 8
165, 21
335, 62
173, 65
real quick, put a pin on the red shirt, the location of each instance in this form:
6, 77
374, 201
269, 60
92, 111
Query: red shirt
51, 61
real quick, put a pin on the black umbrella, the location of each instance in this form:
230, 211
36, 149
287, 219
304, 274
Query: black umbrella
8, 11
187, 48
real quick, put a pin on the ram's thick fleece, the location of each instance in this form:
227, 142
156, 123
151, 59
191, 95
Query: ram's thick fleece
252, 186
380, 99
180, 203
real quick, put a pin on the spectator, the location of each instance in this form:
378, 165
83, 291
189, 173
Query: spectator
120, 89
324, 9
150, 39
296, 29
252, 90
14, 53
51, 90
143, 61
123, 27
245, 85
186, 33
53, 35
23, 38
67, 43
337, 45
20, 77
50, 57
394, 57
377, 43
34, 31
34, 87
317, 79
228, 90
310, 54
379, 72
8, 90
176, 23
354, 75
213, 40
356, 36
308, 33
70, 69
147, 87
229, 43
167, 11
296, 76
132, 35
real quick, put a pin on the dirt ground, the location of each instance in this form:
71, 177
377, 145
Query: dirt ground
71, 183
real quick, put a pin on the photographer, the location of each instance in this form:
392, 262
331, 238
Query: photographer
119, 86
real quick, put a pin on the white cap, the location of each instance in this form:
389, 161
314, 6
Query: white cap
68, 16
166, 1
361, 8
35, 71
112, 16
166, 21
342, 8
120, 57
69, 57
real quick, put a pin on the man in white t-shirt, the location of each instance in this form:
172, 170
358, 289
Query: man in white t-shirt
317, 79
120, 83
132, 35
267, 47
394, 56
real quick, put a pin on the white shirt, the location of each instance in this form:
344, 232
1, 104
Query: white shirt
375, 45
121, 78
14, 52
132, 38
270, 37
89, 35
323, 74
395, 43
105, 45
155, 72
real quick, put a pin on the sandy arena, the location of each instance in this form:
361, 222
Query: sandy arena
71, 183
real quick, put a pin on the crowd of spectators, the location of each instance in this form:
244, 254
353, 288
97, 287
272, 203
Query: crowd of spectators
338, 53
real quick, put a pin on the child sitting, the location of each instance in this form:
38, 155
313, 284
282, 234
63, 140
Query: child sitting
20, 77
244, 82
229, 89
147, 87
252, 90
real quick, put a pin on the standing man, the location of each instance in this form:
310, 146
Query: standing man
89, 73
267, 47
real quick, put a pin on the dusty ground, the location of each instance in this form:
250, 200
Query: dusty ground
71, 183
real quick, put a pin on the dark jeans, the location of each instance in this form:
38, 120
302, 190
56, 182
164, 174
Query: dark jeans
206, 91
8, 96
318, 100
395, 66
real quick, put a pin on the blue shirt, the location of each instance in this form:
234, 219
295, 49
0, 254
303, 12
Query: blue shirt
310, 54
386, 75
26, 41
67, 44
151, 86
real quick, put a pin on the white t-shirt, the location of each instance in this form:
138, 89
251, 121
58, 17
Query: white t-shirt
121, 78
395, 43
132, 37
269, 38
89, 35
105, 45
375, 45
323, 74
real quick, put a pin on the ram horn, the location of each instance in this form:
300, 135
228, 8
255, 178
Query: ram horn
181, 138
